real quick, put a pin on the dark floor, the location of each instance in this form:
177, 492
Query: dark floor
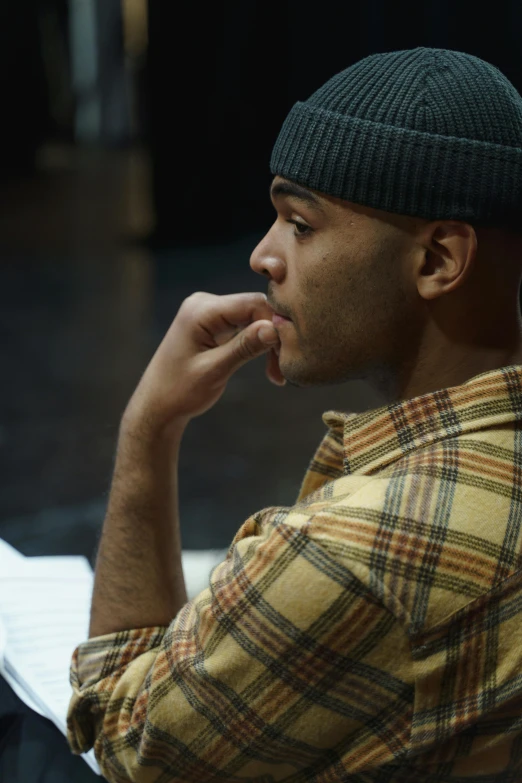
83, 306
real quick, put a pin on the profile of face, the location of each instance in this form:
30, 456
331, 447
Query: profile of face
339, 272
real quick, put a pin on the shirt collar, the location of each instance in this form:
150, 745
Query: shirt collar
376, 438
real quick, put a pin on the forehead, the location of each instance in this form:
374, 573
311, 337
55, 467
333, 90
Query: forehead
285, 188
331, 206
338, 210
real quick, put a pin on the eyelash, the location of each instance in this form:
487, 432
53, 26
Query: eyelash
300, 224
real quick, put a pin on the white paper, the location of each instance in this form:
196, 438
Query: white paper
8, 553
197, 565
2, 641
44, 608
44, 611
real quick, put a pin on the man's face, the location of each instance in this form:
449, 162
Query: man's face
339, 271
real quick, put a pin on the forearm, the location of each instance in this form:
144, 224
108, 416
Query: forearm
139, 579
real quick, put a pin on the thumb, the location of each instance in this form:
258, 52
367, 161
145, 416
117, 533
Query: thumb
253, 341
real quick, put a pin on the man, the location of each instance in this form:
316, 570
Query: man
371, 632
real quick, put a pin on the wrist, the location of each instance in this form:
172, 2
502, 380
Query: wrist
149, 430
143, 424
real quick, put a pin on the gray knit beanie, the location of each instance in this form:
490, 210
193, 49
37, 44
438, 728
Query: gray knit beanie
431, 133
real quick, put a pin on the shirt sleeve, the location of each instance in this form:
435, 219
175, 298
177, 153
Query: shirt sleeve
274, 671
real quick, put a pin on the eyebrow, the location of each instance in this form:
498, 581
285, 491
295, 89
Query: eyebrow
293, 190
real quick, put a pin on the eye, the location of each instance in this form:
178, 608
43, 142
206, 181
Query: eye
301, 229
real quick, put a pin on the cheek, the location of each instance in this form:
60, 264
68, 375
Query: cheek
325, 305
323, 277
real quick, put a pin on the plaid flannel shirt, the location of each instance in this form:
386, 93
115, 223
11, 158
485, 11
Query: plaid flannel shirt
372, 632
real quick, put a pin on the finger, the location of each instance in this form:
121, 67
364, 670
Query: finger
273, 370
221, 315
244, 308
225, 336
247, 345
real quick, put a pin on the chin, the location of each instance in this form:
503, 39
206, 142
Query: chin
318, 368
301, 374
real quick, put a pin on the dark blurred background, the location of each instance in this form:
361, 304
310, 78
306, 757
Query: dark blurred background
135, 142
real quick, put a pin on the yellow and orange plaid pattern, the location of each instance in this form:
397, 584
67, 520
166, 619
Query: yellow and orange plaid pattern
370, 633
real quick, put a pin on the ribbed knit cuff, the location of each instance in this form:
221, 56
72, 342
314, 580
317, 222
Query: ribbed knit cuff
399, 170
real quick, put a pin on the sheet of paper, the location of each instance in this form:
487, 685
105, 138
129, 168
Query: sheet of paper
2, 641
45, 613
197, 565
8, 553
44, 607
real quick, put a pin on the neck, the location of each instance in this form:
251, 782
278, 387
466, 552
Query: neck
440, 361
446, 368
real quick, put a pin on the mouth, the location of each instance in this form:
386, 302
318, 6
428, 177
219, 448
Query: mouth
277, 319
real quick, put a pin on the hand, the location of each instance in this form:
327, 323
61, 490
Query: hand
210, 338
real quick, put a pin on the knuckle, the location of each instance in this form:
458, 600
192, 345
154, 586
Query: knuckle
259, 298
194, 300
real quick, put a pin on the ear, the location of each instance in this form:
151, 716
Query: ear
450, 249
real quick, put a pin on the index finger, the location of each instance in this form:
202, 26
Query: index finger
230, 311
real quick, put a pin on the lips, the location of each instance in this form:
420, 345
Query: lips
277, 319
280, 315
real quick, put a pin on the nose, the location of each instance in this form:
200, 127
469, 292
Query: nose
267, 257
